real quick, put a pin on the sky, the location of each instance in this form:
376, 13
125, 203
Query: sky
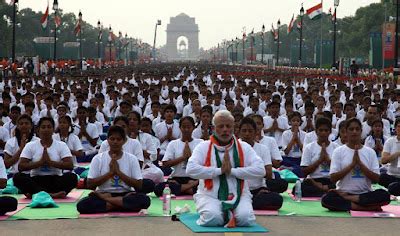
217, 19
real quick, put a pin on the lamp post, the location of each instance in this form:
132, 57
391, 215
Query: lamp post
99, 27
251, 46
262, 46
237, 52
278, 43
55, 8
301, 34
396, 48
232, 51
80, 39
14, 16
155, 37
126, 49
110, 42
336, 3
243, 49
119, 46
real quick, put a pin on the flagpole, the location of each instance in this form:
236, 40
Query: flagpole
320, 49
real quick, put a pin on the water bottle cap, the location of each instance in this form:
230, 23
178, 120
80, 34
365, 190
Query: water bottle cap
167, 185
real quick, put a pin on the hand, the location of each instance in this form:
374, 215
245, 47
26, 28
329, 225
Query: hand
169, 134
324, 154
45, 158
356, 157
186, 151
113, 168
226, 163
275, 125
23, 141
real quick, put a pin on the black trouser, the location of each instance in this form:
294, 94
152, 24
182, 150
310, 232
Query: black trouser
147, 186
266, 200
175, 187
334, 202
277, 185
47, 183
308, 189
391, 183
132, 202
7, 204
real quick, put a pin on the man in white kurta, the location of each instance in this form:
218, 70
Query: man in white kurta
207, 201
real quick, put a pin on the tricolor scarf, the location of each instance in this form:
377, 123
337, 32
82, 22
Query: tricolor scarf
229, 203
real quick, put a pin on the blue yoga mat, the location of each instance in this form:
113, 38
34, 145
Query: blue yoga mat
190, 221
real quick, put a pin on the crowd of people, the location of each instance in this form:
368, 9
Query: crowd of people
220, 133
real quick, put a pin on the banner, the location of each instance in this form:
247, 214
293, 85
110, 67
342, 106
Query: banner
388, 40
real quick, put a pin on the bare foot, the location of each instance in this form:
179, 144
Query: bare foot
61, 194
28, 195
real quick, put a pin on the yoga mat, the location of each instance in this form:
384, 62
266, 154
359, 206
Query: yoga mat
112, 214
189, 220
306, 208
305, 198
265, 213
73, 196
9, 214
183, 197
155, 208
388, 212
63, 211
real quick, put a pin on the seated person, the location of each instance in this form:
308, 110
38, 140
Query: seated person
222, 165
46, 159
316, 160
353, 168
7, 204
115, 174
390, 155
176, 156
263, 198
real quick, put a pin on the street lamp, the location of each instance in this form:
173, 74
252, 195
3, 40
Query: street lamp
336, 3
155, 37
396, 51
251, 46
110, 41
277, 49
301, 34
80, 38
119, 46
126, 49
55, 8
13, 32
262, 47
100, 28
244, 56
237, 52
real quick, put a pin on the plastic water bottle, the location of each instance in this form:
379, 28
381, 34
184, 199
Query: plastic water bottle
298, 191
167, 201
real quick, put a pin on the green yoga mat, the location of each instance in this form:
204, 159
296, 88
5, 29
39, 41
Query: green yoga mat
155, 208
64, 211
190, 221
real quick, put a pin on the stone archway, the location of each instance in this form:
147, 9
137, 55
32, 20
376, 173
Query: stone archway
182, 25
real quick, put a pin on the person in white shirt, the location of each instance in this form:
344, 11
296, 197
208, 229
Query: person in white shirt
263, 198
315, 161
114, 175
149, 147
24, 133
15, 112
222, 165
46, 159
87, 133
276, 184
65, 134
167, 130
274, 124
390, 157
376, 138
204, 128
176, 156
7, 203
292, 144
341, 138
353, 168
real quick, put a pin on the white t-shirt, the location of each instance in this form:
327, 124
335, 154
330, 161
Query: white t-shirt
10, 127
273, 148
287, 137
391, 146
128, 165
370, 142
355, 181
92, 131
4, 136
174, 151
312, 153
34, 152
148, 145
282, 124
11, 148
162, 130
73, 142
263, 153
131, 146
3, 172
312, 137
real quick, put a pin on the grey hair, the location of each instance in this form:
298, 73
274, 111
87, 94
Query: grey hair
223, 113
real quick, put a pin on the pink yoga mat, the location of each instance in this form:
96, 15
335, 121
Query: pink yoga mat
112, 214
265, 213
389, 211
9, 214
305, 198
72, 197
183, 197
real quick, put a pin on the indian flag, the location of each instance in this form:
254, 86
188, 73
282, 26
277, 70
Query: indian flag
44, 18
315, 11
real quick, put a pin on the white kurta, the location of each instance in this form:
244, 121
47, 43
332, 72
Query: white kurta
207, 203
